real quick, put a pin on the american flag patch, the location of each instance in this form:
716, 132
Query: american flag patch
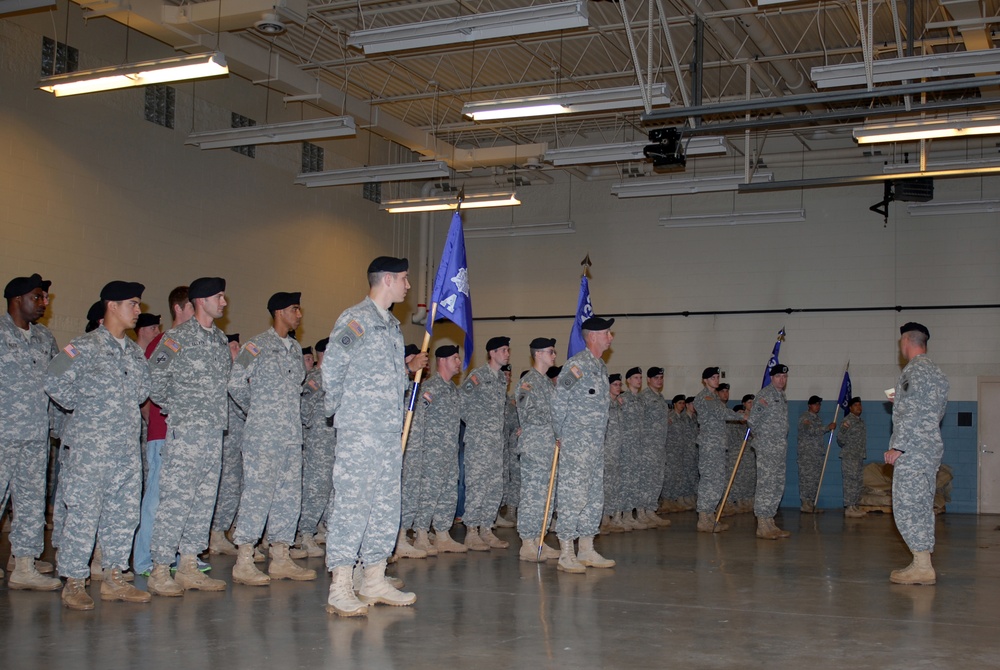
428, 397
71, 351
313, 385
253, 349
171, 344
576, 371
474, 379
356, 328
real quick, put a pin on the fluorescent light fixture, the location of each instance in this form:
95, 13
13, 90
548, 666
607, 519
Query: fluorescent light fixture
934, 166
522, 230
909, 68
450, 202
274, 133
596, 100
733, 219
161, 71
955, 207
645, 188
18, 6
375, 173
703, 145
927, 129
472, 27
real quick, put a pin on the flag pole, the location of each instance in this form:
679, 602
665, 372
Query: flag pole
732, 478
548, 502
408, 422
829, 442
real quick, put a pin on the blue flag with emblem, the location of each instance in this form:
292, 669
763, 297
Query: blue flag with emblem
844, 399
584, 310
774, 358
451, 286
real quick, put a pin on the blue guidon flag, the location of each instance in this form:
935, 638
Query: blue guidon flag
451, 286
774, 358
844, 399
584, 310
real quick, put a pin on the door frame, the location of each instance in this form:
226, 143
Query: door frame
980, 381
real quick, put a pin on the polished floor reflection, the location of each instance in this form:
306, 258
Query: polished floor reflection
677, 598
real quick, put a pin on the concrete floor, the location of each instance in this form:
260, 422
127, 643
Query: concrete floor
677, 599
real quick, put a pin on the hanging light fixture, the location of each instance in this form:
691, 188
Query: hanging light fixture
160, 71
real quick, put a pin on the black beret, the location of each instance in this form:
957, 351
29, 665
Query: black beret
689, 399
496, 342
282, 300
505, 368
321, 345
206, 287
597, 323
22, 285
855, 399
633, 371
122, 290
748, 397
723, 387
554, 371
96, 311
411, 350
778, 369
91, 325
654, 371
739, 408
446, 350
146, 319
911, 326
709, 372
813, 399
307, 351
235, 337
616, 377
679, 398
524, 372
388, 264
542, 343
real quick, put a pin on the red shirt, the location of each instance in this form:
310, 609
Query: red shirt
157, 428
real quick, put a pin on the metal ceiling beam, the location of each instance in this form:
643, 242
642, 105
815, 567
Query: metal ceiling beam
826, 182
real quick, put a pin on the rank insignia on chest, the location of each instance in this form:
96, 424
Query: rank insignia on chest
172, 344
577, 372
356, 328
71, 351
253, 349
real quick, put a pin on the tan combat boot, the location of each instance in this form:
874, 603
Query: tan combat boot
406, 550
282, 566
320, 533
341, 599
189, 578
853, 512
654, 520
26, 577
486, 534
472, 540
43, 567
767, 530
504, 522
423, 543
706, 523
376, 590
589, 557
313, 550
160, 583
75, 596
245, 572
218, 543
529, 550
358, 578
114, 587
920, 571
567, 559
444, 543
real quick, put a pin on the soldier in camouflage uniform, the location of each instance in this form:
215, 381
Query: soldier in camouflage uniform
270, 364
852, 438
915, 451
811, 452
484, 395
689, 468
319, 452
26, 347
511, 459
746, 477
713, 441
365, 376
102, 378
673, 467
580, 420
769, 422
655, 413
189, 370
633, 412
734, 439
537, 446
231, 478
613, 504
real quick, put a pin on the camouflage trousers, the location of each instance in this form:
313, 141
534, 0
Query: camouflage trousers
631, 474
512, 478
712, 475
272, 491
810, 460
580, 488
689, 470
363, 518
913, 487
653, 463
189, 483
230, 483
852, 470
22, 479
58, 503
536, 468
771, 454
673, 473
439, 496
613, 502
746, 477
101, 492
415, 464
483, 478
318, 456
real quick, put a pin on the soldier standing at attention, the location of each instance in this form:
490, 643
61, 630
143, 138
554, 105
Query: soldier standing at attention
654, 448
190, 370
769, 421
365, 377
483, 396
102, 378
852, 437
231, 478
537, 445
580, 419
270, 363
915, 451
27, 347
612, 459
632, 474
511, 462
673, 468
811, 452
713, 439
